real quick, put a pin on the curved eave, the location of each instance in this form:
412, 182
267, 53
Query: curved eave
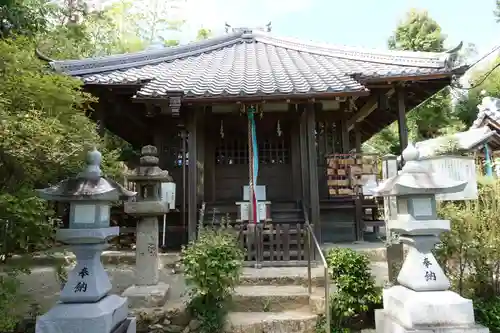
416, 76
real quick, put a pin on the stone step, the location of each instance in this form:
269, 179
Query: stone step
294, 321
269, 298
282, 276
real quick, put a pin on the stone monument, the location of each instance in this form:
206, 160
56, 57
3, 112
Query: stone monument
148, 177
421, 302
85, 304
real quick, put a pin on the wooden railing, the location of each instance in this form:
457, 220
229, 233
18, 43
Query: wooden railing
279, 242
313, 247
273, 242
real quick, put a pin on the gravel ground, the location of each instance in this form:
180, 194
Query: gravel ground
43, 288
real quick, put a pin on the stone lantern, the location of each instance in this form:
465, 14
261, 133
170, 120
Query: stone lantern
85, 301
421, 302
150, 205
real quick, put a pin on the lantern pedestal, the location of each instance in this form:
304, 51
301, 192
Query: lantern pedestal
84, 300
407, 310
102, 316
422, 301
147, 291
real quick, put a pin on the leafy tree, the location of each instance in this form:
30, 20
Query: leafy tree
171, 42
155, 20
44, 129
419, 32
24, 17
95, 33
44, 135
496, 12
204, 33
483, 82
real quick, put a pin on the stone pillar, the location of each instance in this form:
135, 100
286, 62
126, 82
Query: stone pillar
394, 250
147, 291
147, 262
85, 304
421, 303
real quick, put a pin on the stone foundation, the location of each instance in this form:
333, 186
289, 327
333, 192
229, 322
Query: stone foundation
388, 324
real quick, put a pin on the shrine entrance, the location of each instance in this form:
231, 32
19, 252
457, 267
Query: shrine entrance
280, 236
231, 157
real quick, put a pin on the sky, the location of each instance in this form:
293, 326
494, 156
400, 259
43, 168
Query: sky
363, 23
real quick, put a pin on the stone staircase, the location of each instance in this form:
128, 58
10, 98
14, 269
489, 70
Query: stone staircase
276, 300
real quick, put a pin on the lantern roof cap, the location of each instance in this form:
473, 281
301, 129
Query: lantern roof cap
148, 169
416, 179
88, 185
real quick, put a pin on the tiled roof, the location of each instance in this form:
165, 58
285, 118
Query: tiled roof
488, 109
254, 63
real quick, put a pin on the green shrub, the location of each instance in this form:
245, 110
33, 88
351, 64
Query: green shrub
212, 267
357, 295
487, 312
470, 252
9, 290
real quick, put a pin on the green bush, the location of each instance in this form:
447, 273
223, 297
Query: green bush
470, 252
212, 267
357, 295
487, 312
9, 289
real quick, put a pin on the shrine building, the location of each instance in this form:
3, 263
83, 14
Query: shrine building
285, 116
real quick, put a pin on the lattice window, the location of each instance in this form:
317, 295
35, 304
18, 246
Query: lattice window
275, 151
231, 152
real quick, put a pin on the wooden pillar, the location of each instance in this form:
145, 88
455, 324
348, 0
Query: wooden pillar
200, 155
304, 164
357, 138
402, 126
295, 152
313, 168
210, 138
358, 203
344, 132
101, 116
192, 172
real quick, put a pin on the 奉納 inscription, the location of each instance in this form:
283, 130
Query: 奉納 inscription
83, 272
430, 276
80, 287
152, 249
426, 262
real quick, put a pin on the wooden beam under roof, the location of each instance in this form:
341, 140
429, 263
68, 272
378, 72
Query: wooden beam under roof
370, 106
